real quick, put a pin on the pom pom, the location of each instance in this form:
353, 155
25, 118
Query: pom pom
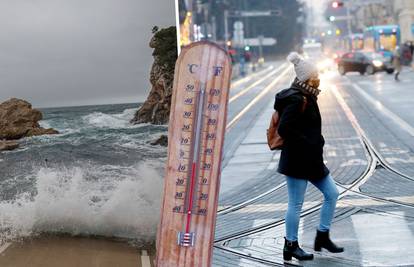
294, 58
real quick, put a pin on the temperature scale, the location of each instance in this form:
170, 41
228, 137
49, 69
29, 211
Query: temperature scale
195, 136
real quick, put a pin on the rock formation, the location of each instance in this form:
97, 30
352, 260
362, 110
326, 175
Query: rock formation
162, 141
8, 145
18, 119
156, 109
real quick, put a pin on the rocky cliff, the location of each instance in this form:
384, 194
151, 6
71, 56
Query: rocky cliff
156, 108
18, 119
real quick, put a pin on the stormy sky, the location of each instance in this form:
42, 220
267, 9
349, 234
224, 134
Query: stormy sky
78, 52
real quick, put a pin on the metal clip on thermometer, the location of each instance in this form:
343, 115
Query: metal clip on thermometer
196, 137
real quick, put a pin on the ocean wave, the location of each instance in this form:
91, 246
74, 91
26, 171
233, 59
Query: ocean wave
104, 120
95, 119
45, 124
112, 201
63, 127
141, 141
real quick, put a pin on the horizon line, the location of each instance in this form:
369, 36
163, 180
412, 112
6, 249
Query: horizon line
87, 105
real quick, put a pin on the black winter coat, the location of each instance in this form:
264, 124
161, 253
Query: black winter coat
302, 152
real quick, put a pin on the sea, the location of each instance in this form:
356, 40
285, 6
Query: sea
100, 176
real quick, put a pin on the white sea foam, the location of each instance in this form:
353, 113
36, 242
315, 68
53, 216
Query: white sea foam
45, 124
140, 141
125, 204
104, 120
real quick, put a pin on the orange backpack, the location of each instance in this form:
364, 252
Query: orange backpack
274, 140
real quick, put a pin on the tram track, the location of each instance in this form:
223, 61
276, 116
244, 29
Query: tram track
249, 107
251, 103
248, 78
371, 109
375, 161
370, 149
257, 82
250, 257
243, 204
367, 173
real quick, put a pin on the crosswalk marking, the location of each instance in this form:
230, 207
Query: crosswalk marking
343, 203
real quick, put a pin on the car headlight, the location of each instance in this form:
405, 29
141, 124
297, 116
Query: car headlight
321, 66
377, 63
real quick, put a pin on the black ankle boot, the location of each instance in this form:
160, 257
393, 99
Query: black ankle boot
292, 249
322, 240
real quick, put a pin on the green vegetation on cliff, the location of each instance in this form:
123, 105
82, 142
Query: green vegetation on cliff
156, 108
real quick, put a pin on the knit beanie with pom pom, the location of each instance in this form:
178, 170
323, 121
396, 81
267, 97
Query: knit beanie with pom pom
303, 68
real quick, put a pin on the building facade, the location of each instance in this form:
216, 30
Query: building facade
368, 13
404, 14
384, 12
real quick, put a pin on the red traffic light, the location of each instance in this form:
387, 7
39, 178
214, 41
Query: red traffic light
337, 4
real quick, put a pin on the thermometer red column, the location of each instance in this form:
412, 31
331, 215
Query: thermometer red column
196, 137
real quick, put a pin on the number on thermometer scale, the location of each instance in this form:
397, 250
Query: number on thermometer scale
187, 129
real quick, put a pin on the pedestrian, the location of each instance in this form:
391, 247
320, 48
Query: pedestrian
396, 61
301, 157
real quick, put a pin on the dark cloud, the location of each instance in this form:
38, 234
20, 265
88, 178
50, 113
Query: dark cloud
76, 52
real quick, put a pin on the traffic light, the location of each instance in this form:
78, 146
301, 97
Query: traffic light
337, 4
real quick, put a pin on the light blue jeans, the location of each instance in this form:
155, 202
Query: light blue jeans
296, 192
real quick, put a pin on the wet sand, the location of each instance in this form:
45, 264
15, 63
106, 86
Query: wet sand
66, 251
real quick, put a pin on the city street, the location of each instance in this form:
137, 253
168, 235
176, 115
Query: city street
368, 125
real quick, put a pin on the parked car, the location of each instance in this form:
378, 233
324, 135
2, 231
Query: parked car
364, 62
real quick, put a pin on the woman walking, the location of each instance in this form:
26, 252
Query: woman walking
302, 157
396, 61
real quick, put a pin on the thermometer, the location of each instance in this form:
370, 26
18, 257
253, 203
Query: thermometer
196, 137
